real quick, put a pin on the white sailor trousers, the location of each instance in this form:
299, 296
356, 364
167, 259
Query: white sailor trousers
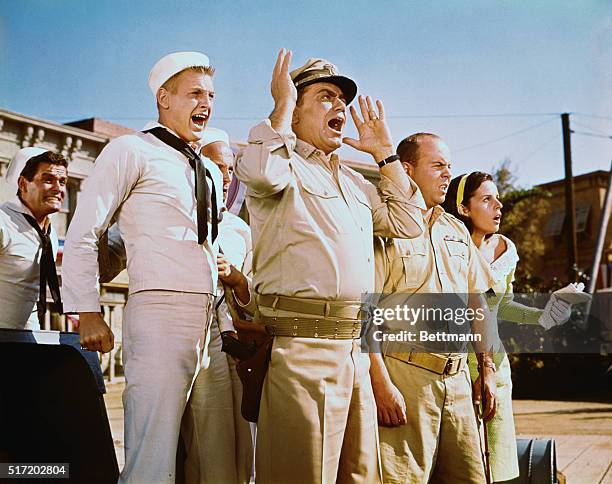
165, 334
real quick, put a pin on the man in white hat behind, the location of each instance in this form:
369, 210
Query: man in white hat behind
28, 241
165, 199
313, 221
216, 147
217, 392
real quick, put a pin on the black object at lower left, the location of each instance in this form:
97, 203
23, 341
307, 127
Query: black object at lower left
51, 405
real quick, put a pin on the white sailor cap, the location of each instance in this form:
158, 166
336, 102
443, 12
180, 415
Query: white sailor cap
172, 64
18, 163
211, 135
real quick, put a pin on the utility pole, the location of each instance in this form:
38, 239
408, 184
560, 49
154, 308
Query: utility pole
601, 234
570, 204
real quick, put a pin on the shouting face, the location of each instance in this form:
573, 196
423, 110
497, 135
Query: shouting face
186, 106
320, 116
431, 170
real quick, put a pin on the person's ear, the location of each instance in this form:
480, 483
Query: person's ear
408, 168
22, 184
463, 210
163, 98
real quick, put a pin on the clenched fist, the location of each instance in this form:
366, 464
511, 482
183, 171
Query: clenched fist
95, 333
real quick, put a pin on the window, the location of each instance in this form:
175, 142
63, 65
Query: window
582, 217
554, 224
556, 220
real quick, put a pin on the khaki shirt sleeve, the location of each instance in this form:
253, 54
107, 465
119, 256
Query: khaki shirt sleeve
251, 306
264, 164
247, 269
480, 279
394, 212
380, 265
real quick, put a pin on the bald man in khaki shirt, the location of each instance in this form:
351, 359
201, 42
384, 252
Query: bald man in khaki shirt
428, 427
312, 220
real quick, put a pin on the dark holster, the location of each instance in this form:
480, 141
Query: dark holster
252, 373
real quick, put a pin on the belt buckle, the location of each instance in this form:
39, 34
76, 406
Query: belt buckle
449, 366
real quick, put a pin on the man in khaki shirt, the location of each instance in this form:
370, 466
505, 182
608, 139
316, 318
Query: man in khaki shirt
428, 427
312, 220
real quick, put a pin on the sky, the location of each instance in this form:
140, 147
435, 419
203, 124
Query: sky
490, 77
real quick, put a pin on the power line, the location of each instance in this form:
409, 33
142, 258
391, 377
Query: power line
514, 133
596, 116
555, 137
487, 115
595, 135
594, 130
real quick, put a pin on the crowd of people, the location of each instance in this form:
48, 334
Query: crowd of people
320, 240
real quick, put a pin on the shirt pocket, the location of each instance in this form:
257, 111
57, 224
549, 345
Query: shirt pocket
319, 192
414, 261
457, 250
325, 209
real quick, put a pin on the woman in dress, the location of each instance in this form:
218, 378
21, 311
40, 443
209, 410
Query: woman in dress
473, 198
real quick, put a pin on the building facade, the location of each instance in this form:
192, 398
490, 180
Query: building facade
589, 193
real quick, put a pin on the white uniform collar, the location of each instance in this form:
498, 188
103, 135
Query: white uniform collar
17, 205
157, 124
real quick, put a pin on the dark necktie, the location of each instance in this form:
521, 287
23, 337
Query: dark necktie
48, 273
203, 197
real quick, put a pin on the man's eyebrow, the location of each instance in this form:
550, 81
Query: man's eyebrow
326, 90
200, 89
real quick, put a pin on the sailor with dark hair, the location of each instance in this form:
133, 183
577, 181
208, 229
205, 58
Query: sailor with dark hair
28, 242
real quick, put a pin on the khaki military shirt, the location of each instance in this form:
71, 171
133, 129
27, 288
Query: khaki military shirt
444, 259
313, 219
443, 262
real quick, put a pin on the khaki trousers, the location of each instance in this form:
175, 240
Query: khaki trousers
217, 439
440, 441
317, 421
164, 338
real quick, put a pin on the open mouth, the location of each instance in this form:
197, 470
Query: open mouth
497, 218
444, 187
336, 124
200, 119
